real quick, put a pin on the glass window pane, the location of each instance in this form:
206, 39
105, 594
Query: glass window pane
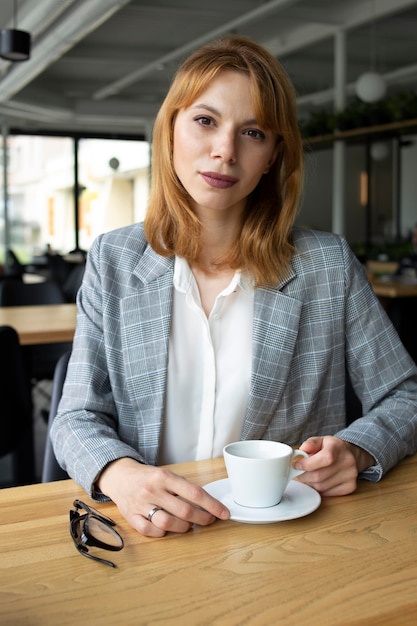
40, 186
2, 203
113, 191
114, 185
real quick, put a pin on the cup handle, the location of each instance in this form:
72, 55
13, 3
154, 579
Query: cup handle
296, 472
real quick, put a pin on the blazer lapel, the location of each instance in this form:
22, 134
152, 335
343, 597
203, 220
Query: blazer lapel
275, 330
145, 326
146, 320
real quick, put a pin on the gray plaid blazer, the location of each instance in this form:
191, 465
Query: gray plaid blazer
322, 320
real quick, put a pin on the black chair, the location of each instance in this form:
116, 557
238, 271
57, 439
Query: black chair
59, 269
13, 267
15, 293
16, 436
73, 282
51, 469
40, 359
352, 402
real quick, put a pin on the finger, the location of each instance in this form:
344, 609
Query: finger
330, 481
144, 527
161, 523
164, 522
340, 489
312, 445
168, 523
168, 486
332, 453
194, 504
315, 462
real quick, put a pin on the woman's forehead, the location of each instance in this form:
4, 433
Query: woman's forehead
226, 81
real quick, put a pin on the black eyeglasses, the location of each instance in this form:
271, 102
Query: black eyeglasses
93, 529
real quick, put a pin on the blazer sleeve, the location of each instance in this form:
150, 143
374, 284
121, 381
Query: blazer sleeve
85, 431
383, 376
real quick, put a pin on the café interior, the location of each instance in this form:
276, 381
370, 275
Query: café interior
80, 84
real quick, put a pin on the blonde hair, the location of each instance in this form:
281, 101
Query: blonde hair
263, 248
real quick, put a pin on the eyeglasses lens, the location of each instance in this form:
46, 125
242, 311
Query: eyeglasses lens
102, 532
93, 529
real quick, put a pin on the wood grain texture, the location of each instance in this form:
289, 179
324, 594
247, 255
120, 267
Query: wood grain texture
393, 288
353, 561
52, 323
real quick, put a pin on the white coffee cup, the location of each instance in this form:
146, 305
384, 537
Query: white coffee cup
259, 471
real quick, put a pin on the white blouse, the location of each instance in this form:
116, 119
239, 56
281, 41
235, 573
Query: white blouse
209, 368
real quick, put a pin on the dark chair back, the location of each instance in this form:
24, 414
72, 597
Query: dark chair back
16, 435
73, 282
40, 359
352, 402
13, 267
15, 293
59, 269
51, 469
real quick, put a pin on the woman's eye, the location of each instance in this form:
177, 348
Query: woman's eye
203, 120
256, 134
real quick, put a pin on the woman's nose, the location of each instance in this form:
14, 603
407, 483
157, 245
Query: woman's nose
224, 147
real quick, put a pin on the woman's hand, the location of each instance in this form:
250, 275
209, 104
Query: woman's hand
136, 489
334, 465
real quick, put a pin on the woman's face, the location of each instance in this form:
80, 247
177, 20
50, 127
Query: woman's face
220, 150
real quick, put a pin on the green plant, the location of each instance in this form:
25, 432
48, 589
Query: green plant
398, 107
393, 250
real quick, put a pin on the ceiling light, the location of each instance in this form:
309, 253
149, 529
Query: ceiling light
371, 86
14, 44
379, 151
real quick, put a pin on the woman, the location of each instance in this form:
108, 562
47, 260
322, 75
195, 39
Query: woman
217, 320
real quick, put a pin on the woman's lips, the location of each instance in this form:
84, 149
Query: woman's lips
220, 181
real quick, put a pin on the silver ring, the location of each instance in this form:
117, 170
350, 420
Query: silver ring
152, 512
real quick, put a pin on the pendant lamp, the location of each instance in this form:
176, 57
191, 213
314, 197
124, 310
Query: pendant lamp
371, 86
14, 44
379, 151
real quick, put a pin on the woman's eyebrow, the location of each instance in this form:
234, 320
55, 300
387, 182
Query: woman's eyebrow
215, 111
201, 105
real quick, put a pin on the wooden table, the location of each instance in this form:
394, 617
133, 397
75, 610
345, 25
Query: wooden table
393, 287
352, 561
398, 297
52, 323
37, 325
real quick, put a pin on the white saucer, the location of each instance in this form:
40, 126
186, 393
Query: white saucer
297, 501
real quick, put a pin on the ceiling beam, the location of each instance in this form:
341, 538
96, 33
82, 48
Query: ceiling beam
357, 13
327, 95
74, 24
261, 11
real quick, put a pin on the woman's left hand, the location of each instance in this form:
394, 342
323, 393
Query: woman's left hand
333, 465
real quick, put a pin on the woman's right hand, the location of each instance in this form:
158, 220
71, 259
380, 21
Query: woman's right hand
136, 489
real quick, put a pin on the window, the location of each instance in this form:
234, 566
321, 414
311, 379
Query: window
43, 209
